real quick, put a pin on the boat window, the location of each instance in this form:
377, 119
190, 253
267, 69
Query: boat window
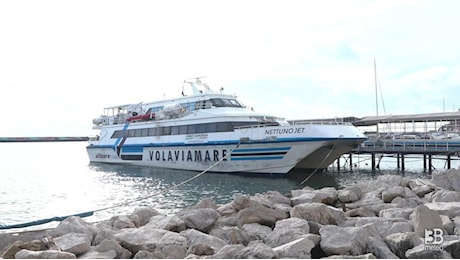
182, 129
174, 130
138, 133
224, 127
152, 131
167, 130
145, 132
191, 129
211, 127
225, 102
201, 128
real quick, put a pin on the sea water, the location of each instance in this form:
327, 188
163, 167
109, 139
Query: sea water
45, 180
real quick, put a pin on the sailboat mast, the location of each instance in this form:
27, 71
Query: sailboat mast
376, 93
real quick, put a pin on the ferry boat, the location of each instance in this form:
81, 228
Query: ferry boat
213, 129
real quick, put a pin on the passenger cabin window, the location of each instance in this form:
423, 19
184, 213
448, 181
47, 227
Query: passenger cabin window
186, 129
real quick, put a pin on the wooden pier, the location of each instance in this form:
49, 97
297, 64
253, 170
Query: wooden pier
400, 149
429, 136
44, 139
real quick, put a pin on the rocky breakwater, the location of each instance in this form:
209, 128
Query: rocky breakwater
384, 218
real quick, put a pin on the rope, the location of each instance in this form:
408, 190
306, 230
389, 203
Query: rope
324, 159
90, 213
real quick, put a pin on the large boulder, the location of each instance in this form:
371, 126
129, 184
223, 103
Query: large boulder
343, 241
420, 252
449, 179
288, 230
392, 192
202, 219
299, 248
316, 212
197, 237
450, 209
399, 243
260, 214
256, 250
75, 243
445, 196
243, 201
255, 231
47, 254
228, 252
171, 223
76, 225
152, 239
425, 218
10, 251
111, 245
141, 216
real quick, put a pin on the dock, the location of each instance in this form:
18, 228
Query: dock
425, 135
44, 139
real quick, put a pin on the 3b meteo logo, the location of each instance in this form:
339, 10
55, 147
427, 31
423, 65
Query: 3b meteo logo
434, 239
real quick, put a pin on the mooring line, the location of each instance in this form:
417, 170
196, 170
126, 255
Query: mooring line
324, 159
90, 213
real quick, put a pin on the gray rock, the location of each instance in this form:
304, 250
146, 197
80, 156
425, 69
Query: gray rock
197, 237
365, 256
350, 194
227, 252
47, 254
202, 219
326, 195
256, 250
287, 230
452, 247
260, 214
316, 212
360, 212
143, 254
76, 225
143, 215
230, 234
343, 241
111, 254
171, 223
300, 248
419, 252
75, 243
399, 243
206, 203
152, 239
200, 249
447, 224
450, 209
425, 218
255, 231
383, 226
379, 248
392, 192
230, 221
226, 210
10, 251
445, 196
271, 198
242, 201
449, 179
111, 245
396, 213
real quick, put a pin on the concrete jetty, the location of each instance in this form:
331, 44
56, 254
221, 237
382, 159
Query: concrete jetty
390, 217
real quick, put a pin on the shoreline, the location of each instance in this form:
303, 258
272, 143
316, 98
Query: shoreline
382, 218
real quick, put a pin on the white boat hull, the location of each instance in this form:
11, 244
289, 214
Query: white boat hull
266, 150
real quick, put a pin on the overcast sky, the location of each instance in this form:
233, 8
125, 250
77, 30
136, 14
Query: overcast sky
62, 62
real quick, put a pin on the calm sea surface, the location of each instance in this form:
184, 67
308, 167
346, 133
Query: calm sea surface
44, 180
